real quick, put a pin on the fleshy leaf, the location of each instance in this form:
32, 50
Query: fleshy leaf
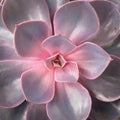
109, 22
92, 59
38, 84
107, 86
71, 102
4, 33
28, 38
36, 112
69, 73
1, 2
76, 20
57, 44
7, 50
117, 3
114, 49
17, 113
53, 5
17, 11
10, 86
105, 111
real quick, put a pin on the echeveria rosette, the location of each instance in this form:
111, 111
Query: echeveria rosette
51, 65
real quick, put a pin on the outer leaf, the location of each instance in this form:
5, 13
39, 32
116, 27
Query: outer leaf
10, 86
1, 2
36, 112
28, 39
4, 33
77, 21
54, 5
105, 111
17, 113
114, 49
17, 11
109, 22
7, 50
107, 86
117, 3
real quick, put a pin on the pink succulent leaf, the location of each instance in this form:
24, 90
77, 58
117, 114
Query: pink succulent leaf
36, 112
69, 73
107, 86
17, 113
10, 88
53, 5
7, 50
92, 60
105, 111
80, 21
4, 33
109, 18
28, 38
57, 44
38, 84
17, 11
71, 102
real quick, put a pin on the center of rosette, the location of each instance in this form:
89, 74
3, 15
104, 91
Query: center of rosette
56, 61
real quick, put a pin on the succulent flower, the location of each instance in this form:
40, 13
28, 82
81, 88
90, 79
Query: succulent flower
53, 49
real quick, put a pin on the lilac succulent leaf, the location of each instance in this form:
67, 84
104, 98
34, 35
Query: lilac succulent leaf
28, 38
4, 33
117, 3
17, 113
107, 86
76, 26
71, 101
7, 51
53, 5
10, 85
105, 111
69, 73
57, 44
36, 112
109, 22
91, 59
1, 2
15, 12
114, 49
38, 84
